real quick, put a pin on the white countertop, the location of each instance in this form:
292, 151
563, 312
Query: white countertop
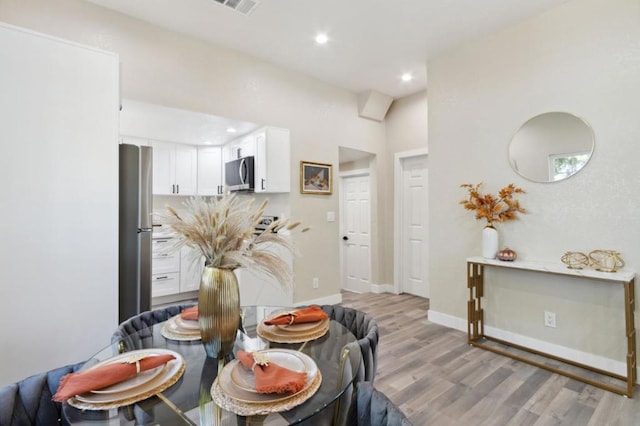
622, 275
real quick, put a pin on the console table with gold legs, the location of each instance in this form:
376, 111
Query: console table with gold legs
475, 318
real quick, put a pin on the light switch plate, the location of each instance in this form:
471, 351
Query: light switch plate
331, 216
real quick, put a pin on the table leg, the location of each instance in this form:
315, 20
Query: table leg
629, 309
475, 313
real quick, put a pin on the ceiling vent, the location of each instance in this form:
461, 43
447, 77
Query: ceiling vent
243, 6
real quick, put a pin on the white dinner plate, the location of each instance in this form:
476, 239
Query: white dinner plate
246, 380
166, 372
187, 324
229, 388
176, 327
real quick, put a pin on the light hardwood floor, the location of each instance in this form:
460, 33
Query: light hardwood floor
436, 378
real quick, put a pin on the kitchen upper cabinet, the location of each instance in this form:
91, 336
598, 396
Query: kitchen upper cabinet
174, 168
242, 147
271, 149
210, 170
272, 160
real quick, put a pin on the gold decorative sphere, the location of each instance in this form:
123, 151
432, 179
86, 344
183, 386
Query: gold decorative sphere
575, 260
606, 260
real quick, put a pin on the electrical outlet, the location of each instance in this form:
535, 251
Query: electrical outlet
316, 283
550, 319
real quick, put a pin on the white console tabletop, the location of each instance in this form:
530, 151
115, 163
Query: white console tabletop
622, 275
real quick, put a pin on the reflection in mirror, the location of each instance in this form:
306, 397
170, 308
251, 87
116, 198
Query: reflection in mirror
551, 147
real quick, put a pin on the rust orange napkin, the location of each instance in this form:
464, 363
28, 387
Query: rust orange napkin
190, 314
273, 378
311, 314
97, 378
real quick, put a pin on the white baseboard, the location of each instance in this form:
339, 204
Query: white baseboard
327, 300
383, 288
586, 358
447, 320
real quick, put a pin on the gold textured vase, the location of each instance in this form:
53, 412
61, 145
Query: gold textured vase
218, 310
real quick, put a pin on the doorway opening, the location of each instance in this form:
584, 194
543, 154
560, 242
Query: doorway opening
356, 242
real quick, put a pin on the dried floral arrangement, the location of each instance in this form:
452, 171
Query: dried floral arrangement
502, 208
222, 230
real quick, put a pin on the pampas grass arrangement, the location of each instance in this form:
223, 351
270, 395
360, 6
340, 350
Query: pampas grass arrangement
222, 231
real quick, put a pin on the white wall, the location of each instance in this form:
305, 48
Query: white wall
59, 216
581, 57
406, 130
170, 69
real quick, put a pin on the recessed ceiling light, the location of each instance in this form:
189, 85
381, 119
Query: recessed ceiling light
322, 38
231, 130
406, 77
208, 143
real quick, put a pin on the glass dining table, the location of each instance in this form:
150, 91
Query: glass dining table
189, 401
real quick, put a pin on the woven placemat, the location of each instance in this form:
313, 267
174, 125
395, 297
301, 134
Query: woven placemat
265, 331
252, 409
124, 402
167, 333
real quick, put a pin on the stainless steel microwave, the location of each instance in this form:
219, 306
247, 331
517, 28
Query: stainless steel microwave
239, 174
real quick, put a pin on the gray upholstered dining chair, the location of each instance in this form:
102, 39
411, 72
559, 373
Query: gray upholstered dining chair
144, 321
28, 402
371, 407
365, 328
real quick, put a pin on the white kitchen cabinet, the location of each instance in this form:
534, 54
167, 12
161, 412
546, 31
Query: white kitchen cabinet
272, 160
190, 272
271, 149
165, 284
241, 147
210, 170
165, 269
174, 168
173, 273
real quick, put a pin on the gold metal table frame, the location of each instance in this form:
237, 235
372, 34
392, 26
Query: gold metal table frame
475, 319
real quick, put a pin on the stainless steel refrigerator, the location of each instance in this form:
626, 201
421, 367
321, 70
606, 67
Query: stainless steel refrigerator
136, 207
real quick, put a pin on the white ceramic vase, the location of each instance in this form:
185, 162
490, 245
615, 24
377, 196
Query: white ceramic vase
489, 242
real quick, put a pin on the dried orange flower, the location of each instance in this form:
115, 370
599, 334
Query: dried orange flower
502, 208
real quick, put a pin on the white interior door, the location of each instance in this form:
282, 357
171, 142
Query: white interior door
414, 211
356, 226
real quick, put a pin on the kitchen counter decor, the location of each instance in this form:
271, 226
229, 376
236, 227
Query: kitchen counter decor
222, 230
502, 208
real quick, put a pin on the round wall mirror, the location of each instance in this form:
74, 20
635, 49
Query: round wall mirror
551, 147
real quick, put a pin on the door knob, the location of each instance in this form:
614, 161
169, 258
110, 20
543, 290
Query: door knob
345, 238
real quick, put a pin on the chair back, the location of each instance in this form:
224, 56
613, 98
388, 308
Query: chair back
372, 407
28, 402
365, 328
141, 323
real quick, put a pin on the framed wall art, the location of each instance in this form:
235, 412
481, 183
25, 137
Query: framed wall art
316, 178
